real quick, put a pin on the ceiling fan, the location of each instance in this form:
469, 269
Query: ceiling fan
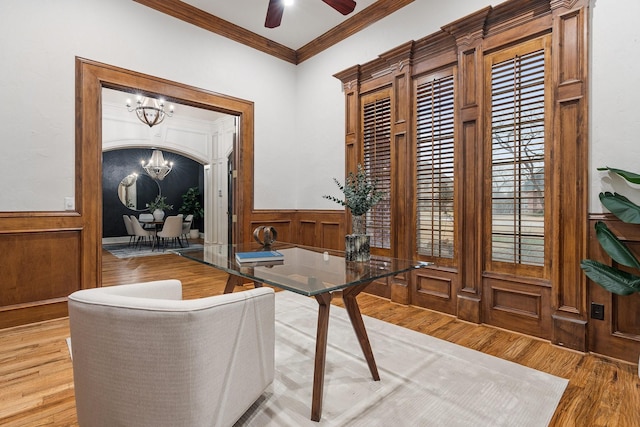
276, 8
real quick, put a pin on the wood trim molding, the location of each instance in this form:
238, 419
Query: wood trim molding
209, 22
351, 26
198, 17
92, 76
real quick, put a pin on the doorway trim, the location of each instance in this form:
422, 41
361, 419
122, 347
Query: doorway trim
91, 77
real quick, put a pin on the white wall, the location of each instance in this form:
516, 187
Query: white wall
39, 41
615, 88
321, 101
299, 111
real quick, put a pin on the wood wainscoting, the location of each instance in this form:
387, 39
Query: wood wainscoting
618, 335
42, 263
324, 229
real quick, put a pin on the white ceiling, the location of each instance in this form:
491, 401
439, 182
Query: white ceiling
301, 23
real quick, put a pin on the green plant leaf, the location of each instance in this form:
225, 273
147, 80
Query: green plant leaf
617, 281
621, 207
616, 249
629, 176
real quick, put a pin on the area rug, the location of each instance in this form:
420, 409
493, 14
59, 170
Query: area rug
425, 381
124, 250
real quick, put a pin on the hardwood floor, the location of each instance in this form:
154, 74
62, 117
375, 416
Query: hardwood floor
36, 379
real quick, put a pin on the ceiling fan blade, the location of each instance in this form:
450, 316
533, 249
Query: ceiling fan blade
274, 13
345, 7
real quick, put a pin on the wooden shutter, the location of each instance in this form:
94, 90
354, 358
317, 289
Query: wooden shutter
376, 130
518, 167
434, 108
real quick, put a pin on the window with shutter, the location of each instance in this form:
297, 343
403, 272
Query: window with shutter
434, 107
518, 167
376, 130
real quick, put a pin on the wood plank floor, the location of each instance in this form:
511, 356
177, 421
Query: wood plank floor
36, 379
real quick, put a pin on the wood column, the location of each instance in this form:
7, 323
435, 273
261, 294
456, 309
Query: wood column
570, 172
468, 33
402, 228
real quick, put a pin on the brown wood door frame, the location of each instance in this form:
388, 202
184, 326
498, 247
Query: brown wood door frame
91, 77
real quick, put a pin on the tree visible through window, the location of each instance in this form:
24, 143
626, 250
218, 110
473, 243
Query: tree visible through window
435, 166
518, 159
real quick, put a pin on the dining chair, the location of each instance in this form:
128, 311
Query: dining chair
129, 227
145, 220
186, 227
141, 233
172, 229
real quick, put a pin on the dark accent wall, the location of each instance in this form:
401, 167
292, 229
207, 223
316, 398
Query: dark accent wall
117, 164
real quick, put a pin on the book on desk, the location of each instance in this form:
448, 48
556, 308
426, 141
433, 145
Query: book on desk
260, 257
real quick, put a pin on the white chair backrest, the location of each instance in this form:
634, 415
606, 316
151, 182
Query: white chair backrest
186, 224
137, 228
127, 224
172, 227
146, 217
114, 329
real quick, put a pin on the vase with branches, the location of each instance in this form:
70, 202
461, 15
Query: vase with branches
158, 206
360, 195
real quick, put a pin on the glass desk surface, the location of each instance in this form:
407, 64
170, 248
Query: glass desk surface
306, 270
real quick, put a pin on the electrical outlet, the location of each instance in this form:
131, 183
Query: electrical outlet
69, 204
597, 311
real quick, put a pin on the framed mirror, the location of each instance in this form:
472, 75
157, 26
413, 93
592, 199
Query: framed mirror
136, 190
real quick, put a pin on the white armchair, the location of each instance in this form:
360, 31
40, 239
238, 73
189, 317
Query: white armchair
142, 356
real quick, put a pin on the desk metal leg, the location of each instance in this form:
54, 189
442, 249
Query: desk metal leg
351, 304
324, 303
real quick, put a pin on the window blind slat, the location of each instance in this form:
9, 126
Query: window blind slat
518, 170
377, 164
435, 172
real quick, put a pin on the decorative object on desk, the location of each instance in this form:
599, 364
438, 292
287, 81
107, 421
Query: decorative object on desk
191, 206
269, 235
360, 195
616, 280
158, 206
259, 256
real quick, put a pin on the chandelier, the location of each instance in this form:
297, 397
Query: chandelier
150, 111
157, 167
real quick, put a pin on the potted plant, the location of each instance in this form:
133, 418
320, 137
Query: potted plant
158, 206
613, 279
191, 206
360, 195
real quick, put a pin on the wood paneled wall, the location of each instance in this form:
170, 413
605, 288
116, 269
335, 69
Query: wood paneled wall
618, 335
325, 229
551, 304
41, 266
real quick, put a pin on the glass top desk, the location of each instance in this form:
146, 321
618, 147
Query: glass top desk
312, 272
